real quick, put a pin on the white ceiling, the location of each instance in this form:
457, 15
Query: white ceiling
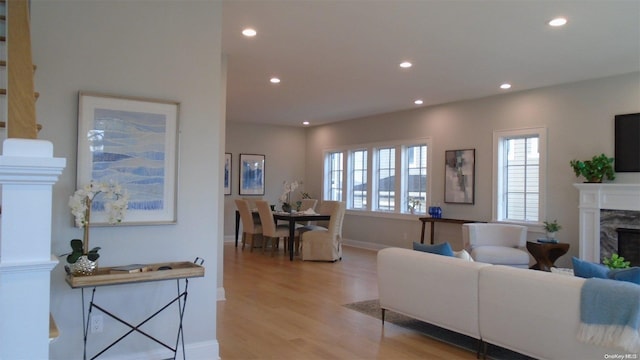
339, 59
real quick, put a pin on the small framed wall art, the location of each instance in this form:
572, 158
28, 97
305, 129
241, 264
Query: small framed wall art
459, 182
252, 167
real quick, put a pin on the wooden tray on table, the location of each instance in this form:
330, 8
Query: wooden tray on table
152, 272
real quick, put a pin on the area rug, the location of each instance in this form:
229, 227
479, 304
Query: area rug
372, 308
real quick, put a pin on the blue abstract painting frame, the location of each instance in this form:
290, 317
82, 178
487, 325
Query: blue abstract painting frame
134, 142
251, 174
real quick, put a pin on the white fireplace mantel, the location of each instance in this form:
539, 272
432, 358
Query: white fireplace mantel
593, 198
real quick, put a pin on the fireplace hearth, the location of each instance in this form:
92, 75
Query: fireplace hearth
629, 245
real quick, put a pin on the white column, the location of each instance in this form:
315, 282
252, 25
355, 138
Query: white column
28, 171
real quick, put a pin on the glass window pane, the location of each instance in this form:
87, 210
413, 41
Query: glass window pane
358, 180
335, 176
415, 191
386, 179
521, 178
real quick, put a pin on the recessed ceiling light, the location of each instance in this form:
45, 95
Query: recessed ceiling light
274, 80
249, 32
405, 64
559, 21
305, 123
418, 102
505, 86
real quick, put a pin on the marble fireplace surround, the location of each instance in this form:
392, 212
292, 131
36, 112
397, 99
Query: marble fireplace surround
596, 197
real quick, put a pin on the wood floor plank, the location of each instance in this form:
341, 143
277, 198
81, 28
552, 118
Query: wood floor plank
277, 309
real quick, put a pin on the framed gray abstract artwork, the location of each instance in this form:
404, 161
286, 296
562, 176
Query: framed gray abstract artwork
459, 182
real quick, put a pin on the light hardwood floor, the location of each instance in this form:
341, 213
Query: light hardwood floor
277, 309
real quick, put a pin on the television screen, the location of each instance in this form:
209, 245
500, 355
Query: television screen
627, 143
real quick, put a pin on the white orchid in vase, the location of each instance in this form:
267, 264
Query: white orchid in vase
115, 202
285, 198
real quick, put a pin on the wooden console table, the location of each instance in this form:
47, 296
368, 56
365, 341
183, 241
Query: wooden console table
155, 272
432, 222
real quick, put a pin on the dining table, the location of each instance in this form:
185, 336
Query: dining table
294, 217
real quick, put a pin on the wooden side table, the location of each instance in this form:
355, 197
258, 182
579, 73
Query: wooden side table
432, 222
546, 254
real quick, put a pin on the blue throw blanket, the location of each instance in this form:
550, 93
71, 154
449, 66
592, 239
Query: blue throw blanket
610, 314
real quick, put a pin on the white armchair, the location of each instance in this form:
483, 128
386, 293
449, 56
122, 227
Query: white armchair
499, 244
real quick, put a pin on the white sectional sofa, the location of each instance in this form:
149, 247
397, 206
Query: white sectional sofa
531, 312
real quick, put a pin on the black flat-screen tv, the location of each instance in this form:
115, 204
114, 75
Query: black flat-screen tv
627, 143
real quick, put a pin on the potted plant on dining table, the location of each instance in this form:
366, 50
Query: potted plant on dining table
285, 198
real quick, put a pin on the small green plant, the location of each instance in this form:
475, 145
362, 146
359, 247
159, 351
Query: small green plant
616, 262
594, 170
552, 226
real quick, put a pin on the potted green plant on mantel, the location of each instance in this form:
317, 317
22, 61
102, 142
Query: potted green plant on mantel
594, 170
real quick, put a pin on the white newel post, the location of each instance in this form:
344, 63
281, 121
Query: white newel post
28, 171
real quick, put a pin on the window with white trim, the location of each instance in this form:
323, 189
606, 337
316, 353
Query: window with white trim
520, 158
334, 176
415, 189
379, 177
385, 180
358, 184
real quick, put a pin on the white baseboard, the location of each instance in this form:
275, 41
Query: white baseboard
364, 244
353, 243
206, 350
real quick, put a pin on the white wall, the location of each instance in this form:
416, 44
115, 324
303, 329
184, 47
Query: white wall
165, 50
579, 119
284, 148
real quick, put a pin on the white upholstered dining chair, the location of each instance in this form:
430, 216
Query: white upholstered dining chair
308, 204
323, 244
271, 232
251, 230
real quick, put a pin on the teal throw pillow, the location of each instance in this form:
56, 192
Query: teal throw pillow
440, 249
586, 269
630, 274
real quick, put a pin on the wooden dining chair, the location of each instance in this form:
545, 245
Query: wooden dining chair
270, 231
250, 229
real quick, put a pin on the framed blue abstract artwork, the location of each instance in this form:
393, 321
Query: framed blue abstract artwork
251, 174
134, 142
